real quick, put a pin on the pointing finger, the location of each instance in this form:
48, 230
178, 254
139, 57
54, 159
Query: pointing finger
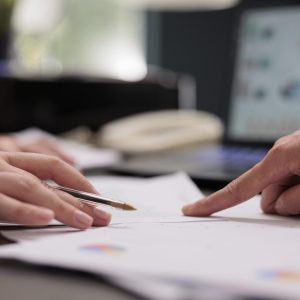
268, 171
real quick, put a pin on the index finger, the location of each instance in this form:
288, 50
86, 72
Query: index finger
239, 190
50, 167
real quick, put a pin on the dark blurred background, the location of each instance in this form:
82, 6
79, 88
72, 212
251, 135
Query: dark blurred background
62, 74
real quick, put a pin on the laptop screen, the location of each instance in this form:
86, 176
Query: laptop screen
265, 102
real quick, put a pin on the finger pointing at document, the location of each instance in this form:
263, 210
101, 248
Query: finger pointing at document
277, 177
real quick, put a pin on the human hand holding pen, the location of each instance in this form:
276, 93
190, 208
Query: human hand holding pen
277, 176
25, 199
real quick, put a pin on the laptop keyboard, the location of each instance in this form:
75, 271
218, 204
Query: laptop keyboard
228, 157
213, 163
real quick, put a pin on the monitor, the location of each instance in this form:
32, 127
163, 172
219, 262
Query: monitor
265, 98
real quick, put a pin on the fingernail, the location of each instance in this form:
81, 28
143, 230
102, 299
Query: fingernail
83, 218
103, 215
187, 209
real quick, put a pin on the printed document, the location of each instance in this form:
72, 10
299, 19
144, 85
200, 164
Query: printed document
239, 249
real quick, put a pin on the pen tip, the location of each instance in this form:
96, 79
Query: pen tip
128, 207
124, 206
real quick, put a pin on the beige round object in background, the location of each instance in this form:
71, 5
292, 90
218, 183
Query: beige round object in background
159, 131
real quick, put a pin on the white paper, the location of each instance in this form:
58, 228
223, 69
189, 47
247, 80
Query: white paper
221, 253
158, 200
33, 234
246, 252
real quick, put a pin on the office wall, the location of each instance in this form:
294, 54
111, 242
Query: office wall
200, 43
196, 42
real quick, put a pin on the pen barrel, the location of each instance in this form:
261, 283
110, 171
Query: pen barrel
86, 196
94, 199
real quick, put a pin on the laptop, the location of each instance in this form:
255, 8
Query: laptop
264, 99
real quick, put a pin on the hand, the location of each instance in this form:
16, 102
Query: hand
277, 176
25, 199
40, 145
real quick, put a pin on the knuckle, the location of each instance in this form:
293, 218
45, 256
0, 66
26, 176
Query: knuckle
62, 207
280, 141
26, 184
233, 188
66, 198
277, 152
296, 133
55, 162
79, 204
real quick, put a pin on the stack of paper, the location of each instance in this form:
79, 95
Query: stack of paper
239, 251
85, 156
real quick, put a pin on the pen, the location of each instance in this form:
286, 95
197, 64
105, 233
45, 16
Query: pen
93, 198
